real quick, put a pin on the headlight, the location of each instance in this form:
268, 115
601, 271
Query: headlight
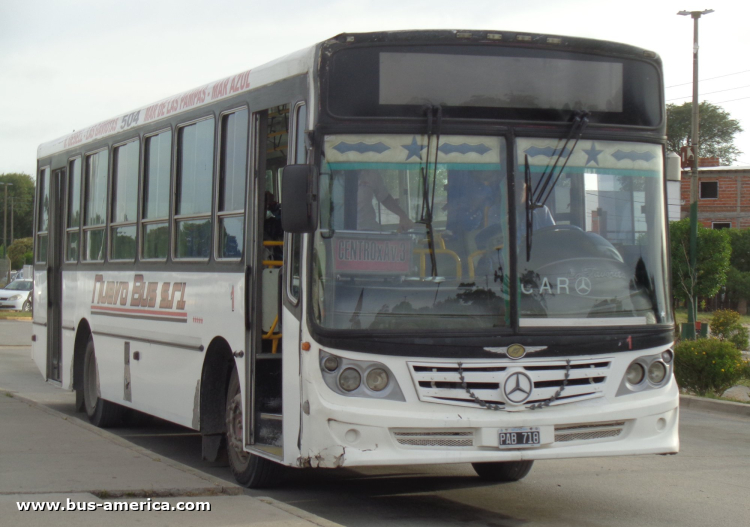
350, 379
635, 374
376, 379
667, 356
15, 297
656, 372
331, 363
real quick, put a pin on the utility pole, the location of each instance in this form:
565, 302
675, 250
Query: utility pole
694, 143
5, 219
12, 203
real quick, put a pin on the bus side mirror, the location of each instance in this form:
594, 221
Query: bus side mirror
299, 198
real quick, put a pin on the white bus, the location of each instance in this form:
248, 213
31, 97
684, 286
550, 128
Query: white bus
464, 260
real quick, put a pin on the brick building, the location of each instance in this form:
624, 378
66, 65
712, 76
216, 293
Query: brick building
723, 197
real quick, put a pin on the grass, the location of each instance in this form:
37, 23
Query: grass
680, 316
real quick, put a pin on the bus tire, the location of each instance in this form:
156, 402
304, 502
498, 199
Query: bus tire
101, 413
249, 470
503, 470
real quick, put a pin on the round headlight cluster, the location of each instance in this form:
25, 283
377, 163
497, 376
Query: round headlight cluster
376, 379
667, 356
350, 379
331, 363
656, 372
635, 373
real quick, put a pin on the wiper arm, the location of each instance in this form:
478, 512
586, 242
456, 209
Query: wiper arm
529, 208
538, 197
428, 199
580, 121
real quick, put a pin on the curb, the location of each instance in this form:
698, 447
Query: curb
701, 403
291, 509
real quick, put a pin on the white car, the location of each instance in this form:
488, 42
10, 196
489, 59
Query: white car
17, 295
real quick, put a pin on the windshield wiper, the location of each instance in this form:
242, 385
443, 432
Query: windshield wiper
428, 199
538, 197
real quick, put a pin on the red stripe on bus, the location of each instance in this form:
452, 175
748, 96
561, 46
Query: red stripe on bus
139, 311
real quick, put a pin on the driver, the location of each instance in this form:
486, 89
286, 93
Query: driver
371, 185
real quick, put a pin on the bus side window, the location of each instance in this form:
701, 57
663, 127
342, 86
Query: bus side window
124, 200
232, 177
95, 206
157, 167
73, 222
43, 225
194, 191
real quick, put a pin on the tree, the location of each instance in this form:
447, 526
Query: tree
712, 261
18, 251
716, 132
21, 195
738, 276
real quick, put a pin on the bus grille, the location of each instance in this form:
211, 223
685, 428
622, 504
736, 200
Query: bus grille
427, 438
588, 432
440, 382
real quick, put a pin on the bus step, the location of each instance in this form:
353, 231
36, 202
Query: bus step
269, 430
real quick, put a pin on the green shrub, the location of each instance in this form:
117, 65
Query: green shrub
725, 325
709, 366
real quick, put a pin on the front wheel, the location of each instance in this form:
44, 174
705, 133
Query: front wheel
101, 413
26, 307
249, 470
503, 470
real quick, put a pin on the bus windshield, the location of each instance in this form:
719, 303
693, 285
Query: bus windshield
592, 249
403, 239
411, 240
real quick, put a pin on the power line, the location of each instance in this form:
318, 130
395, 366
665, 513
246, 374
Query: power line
711, 92
710, 79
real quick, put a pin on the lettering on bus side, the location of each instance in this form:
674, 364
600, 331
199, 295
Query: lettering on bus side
144, 293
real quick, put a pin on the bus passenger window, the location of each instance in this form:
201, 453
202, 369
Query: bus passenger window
42, 241
232, 177
96, 206
157, 168
73, 223
195, 161
124, 200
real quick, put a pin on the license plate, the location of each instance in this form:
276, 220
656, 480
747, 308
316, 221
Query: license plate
521, 437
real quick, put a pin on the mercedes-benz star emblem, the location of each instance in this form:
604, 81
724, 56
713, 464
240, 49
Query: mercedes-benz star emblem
583, 286
517, 387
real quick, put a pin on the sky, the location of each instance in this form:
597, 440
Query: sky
69, 64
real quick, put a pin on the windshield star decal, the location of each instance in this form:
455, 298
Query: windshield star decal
464, 148
632, 155
414, 149
361, 148
592, 154
547, 151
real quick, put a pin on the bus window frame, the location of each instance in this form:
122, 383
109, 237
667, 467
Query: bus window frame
111, 209
47, 170
142, 222
174, 217
219, 215
66, 217
85, 190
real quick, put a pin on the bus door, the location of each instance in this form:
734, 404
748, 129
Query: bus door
264, 376
54, 274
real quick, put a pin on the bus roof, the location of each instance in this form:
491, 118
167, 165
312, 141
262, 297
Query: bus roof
297, 63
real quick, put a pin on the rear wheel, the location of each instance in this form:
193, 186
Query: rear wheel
248, 469
503, 470
101, 413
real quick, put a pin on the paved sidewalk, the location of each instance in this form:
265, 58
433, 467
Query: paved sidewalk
50, 457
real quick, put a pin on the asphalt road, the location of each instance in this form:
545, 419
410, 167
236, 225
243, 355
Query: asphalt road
708, 483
